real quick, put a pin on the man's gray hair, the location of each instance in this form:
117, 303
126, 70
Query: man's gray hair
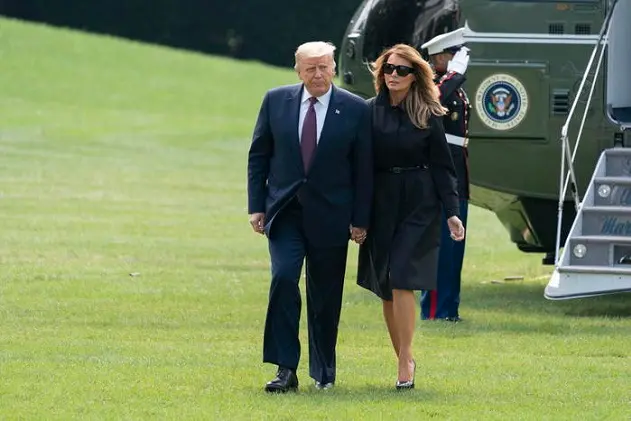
314, 49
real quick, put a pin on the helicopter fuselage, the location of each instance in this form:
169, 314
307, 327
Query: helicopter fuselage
527, 61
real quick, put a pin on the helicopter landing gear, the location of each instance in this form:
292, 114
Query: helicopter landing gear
548, 259
622, 139
618, 140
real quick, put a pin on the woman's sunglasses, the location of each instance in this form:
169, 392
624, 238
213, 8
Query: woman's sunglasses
402, 71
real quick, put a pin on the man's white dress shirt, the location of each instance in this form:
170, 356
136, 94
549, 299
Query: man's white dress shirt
320, 108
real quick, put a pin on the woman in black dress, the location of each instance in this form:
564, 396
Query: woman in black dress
414, 179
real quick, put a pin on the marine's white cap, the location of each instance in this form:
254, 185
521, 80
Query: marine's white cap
442, 42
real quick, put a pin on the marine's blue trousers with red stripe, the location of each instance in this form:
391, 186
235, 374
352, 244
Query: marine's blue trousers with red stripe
444, 301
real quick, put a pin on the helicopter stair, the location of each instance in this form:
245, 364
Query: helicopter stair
596, 258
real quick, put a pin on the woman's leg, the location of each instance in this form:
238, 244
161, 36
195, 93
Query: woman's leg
388, 315
404, 306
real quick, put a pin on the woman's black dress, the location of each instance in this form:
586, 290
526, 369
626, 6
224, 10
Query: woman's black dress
414, 179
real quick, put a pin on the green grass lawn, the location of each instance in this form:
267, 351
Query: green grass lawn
133, 288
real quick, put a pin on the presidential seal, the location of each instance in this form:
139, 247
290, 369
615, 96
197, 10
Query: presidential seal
502, 101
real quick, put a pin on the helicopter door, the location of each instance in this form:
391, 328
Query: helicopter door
618, 97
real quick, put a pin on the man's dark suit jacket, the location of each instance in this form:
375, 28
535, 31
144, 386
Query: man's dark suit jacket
337, 190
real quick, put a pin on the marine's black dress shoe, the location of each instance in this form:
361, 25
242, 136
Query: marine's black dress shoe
453, 319
285, 380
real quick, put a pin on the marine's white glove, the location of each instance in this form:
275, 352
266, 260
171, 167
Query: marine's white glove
459, 62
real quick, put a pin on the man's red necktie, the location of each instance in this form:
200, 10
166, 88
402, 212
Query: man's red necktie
309, 137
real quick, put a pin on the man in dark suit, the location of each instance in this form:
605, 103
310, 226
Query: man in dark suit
450, 60
309, 191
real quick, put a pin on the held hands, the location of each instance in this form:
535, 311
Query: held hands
257, 221
358, 235
459, 62
456, 228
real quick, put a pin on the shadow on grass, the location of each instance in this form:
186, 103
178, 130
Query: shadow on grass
520, 299
521, 308
614, 306
370, 393
257, 268
525, 298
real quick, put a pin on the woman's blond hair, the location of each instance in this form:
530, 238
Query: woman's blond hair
423, 98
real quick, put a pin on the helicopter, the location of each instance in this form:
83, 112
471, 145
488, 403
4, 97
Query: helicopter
530, 72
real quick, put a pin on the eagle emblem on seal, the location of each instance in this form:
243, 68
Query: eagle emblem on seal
501, 102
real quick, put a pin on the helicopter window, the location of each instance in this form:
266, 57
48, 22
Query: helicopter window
412, 22
360, 21
385, 26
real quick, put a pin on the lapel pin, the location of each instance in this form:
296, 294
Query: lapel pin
337, 111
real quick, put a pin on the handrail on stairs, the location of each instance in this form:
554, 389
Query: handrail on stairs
565, 147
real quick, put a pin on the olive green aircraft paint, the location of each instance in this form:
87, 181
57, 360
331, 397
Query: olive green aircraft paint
527, 61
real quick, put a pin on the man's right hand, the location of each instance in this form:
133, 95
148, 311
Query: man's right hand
459, 62
257, 220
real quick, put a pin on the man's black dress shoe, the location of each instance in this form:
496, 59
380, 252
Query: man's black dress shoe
285, 380
453, 319
322, 386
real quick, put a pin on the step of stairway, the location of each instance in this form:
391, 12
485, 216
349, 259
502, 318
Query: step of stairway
602, 239
605, 270
569, 282
600, 250
612, 191
618, 151
606, 220
618, 162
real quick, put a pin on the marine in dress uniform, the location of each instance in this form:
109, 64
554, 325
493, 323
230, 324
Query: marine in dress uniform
450, 59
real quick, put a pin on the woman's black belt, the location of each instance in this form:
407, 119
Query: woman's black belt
399, 170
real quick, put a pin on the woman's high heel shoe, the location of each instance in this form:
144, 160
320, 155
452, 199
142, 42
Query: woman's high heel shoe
409, 384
